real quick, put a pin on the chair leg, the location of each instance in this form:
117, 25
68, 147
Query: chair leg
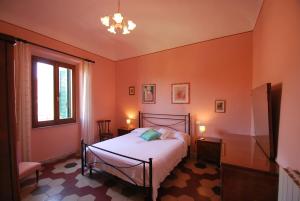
90, 170
37, 174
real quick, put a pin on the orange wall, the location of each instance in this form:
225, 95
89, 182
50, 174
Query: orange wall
276, 59
216, 69
57, 141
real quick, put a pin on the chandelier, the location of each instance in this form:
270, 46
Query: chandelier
117, 23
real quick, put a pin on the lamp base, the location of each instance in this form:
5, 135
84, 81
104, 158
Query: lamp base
202, 138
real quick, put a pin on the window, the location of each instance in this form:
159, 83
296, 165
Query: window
53, 92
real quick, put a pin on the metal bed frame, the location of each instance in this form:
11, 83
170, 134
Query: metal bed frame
149, 119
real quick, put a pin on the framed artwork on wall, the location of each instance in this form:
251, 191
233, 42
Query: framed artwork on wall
131, 90
180, 93
220, 106
149, 93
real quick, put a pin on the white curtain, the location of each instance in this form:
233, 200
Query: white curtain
23, 100
86, 111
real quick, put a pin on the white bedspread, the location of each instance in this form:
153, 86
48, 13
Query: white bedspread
166, 155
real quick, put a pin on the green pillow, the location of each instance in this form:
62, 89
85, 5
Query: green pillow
150, 135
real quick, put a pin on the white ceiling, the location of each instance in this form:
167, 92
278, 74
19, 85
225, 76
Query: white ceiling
161, 24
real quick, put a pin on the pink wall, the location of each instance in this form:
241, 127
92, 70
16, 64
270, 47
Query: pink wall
216, 69
276, 59
53, 142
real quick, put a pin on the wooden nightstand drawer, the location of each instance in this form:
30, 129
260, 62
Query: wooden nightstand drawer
209, 150
123, 131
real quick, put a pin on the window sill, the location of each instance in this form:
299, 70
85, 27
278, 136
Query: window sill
56, 125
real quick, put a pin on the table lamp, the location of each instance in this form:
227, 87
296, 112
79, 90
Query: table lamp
128, 121
202, 130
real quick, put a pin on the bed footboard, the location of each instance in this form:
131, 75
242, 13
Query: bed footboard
89, 165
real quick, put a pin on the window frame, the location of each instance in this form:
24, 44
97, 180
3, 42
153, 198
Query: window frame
56, 65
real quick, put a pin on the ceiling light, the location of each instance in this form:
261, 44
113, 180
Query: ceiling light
118, 24
105, 21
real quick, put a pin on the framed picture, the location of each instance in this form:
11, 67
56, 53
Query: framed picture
180, 93
149, 93
220, 106
131, 90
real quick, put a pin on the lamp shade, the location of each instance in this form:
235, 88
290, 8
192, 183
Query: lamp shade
128, 121
202, 128
131, 25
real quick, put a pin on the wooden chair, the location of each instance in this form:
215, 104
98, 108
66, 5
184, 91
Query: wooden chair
103, 129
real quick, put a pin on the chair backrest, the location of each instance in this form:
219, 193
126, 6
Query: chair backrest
103, 126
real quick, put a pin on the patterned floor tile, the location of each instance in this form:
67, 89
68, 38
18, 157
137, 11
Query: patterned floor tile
41, 197
45, 181
189, 181
83, 181
87, 198
41, 190
72, 197
185, 198
56, 182
179, 181
216, 189
205, 191
207, 169
210, 183
67, 167
116, 194
54, 190
168, 198
215, 198
57, 197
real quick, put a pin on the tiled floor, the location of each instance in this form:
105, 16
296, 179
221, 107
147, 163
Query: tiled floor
63, 182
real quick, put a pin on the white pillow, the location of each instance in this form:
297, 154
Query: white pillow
183, 137
165, 133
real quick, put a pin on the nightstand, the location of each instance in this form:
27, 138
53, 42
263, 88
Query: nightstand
123, 131
209, 150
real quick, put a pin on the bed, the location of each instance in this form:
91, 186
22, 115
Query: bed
144, 164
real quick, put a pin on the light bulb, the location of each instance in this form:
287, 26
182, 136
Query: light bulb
131, 25
118, 18
105, 21
111, 29
125, 30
